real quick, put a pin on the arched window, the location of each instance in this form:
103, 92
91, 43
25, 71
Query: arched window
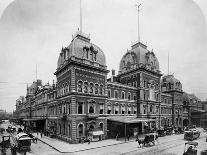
91, 88
96, 88
80, 84
80, 130
85, 89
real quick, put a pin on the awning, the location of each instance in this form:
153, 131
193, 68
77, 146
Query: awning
125, 119
97, 133
33, 119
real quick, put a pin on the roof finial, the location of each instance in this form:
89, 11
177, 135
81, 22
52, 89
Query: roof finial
138, 9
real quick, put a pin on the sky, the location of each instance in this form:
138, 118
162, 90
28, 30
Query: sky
32, 33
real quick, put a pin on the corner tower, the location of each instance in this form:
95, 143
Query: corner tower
139, 67
81, 86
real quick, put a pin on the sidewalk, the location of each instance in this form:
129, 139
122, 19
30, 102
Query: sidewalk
64, 147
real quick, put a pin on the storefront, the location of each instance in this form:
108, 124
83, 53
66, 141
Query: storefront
127, 126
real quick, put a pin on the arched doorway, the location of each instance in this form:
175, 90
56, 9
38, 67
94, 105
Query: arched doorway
185, 122
80, 130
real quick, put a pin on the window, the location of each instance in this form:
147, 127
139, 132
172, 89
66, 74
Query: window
91, 108
108, 109
134, 97
123, 95
116, 109
123, 110
85, 89
101, 126
116, 94
69, 131
144, 96
69, 108
144, 109
91, 88
129, 110
129, 96
109, 93
135, 84
151, 108
101, 109
135, 110
101, 90
80, 107
80, 130
96, 88
80, 83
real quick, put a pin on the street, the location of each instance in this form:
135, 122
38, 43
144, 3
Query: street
168, 145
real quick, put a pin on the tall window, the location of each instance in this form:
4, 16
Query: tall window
68, 108
91, 88
101, 90
129, 110
91, 108
144, 109
108, 109
101, 126
116, 94
80, 130
122, 95
80, 84
116, 109
85, 89
134, 97
80, 107
69, 131
135, 110
101, 109
129, 96
109, 93
96, 88
123, 110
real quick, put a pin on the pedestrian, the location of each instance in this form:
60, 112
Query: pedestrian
41, 133
128, 137
117, 136
89, 141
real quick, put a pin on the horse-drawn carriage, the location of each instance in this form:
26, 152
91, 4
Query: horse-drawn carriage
161, 132
190, 148
148, 139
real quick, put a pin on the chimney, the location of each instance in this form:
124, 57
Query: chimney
113, 74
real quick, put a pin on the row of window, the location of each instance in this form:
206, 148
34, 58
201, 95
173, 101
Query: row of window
122, 95
63, 89
64, 129
152, 109
121, 110
85, 87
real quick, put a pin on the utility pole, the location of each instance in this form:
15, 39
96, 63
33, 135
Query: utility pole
138, 10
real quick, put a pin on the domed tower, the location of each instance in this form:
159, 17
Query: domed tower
173, 86
81, 86
139, 67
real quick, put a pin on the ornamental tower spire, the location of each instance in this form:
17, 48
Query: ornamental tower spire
80, 15
138, 5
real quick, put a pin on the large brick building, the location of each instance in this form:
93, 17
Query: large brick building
83, 102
